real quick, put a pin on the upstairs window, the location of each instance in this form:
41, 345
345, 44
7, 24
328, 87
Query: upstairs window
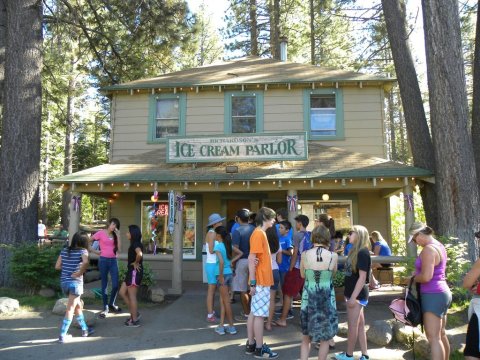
323, 114
167, 116
243, 112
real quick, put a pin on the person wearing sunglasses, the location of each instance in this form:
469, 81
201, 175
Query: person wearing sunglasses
435, 294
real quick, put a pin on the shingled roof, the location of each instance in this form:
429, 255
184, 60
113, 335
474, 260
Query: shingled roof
250, 70
324, 163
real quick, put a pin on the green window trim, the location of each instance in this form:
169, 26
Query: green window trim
339, 120
228, 110
152, 114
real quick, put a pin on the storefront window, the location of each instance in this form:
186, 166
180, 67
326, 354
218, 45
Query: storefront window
340, 211
155, 235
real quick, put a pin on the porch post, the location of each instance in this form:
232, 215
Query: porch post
292, 214
409, 217
74, 224
177, 262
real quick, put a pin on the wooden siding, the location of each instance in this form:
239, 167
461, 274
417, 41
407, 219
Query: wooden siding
283, 112
122, 208
373, 213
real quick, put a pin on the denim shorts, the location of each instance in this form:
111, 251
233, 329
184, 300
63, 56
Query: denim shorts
227, 280
276, 279
72, 288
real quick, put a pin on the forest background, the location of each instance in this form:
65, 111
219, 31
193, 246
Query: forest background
81, 45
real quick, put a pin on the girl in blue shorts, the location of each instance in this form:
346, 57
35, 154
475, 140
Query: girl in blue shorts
73, 262
223, 271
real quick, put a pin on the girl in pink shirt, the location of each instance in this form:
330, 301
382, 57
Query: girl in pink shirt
109, 240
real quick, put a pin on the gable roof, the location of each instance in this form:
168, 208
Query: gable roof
324, 163
250, 70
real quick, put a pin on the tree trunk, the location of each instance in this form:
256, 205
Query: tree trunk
3, 40
457, 187
391, 116
276, 33
20, 152
415, 120
312, 33
476, 100
44, 185
67, 166
253, 28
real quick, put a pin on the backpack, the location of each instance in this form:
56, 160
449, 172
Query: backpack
409, 309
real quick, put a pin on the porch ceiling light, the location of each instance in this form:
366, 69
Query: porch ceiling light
325, 197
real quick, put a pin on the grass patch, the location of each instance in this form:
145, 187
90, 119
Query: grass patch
27, 301
457, 355
457, 315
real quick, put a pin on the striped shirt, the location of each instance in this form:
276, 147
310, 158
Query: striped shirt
71, 263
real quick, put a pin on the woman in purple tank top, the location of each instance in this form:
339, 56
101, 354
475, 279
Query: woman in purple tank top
435, 295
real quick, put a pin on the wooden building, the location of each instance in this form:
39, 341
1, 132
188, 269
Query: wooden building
244, 134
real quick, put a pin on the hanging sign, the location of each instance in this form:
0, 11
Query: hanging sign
171, 211
239, 147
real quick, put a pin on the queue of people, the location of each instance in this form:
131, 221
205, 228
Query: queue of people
258, 261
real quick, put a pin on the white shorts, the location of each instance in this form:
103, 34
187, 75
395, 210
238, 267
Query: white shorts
240, 280
261, 301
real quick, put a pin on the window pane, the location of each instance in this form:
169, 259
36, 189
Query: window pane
167, 118
243, 106
322, 101
155, 228
167, 108
244, 114
322, 115
244, 125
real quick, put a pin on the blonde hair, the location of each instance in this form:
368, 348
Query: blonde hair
321, 235
376, 236
363, 241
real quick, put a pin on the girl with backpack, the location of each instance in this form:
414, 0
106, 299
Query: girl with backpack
357, 271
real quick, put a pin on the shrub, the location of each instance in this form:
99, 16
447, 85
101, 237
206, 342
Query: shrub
33, 266
339, 279
147, 274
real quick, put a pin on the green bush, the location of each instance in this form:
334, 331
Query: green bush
339, 279
33, 266
147, 274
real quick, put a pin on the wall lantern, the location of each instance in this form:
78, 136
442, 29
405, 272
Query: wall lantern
154, 199
325, 197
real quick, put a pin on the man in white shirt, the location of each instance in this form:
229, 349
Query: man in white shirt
41, 231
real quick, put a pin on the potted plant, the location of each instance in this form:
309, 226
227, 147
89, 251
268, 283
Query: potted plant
339, 285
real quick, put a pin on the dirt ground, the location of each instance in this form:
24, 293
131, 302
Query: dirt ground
174, 330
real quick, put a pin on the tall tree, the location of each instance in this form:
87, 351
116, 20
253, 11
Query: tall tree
457, 187
415, 119
20, 152
3, 38
476, 99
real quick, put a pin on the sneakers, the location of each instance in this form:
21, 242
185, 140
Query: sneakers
64, 338
250, 349
265, 353
364, 357
104, 313
231, 330
220, 330
132, 324
114, 309
212, 318
279, 311
88, 332
343, 356
289, 315
241, 318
